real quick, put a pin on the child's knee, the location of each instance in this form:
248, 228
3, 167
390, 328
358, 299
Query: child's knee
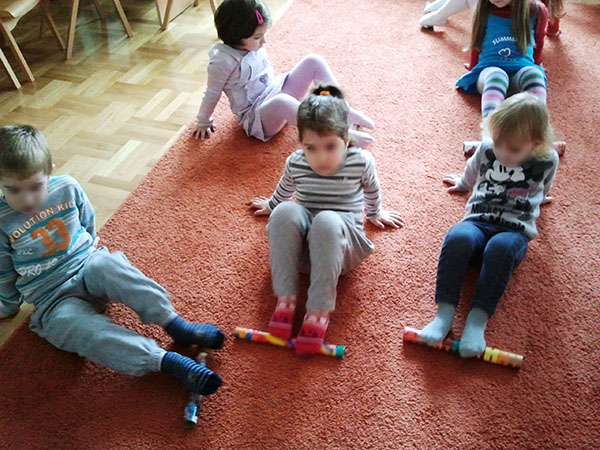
102, 264
286, 214
459, 240
510, 251
315, 59
328, 226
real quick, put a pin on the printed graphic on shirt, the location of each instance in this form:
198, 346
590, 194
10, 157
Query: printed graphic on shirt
40, 217
506, 191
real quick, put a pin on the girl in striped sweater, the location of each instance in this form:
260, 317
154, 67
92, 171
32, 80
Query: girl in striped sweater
322, 232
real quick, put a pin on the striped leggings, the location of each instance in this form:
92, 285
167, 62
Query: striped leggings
493, 84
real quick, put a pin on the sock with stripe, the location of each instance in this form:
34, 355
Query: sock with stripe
197, 378
188, 333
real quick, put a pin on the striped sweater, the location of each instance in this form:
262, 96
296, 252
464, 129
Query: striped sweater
353, 188
42, 250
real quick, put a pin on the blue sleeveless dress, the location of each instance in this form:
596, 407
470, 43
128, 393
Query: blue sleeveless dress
499, 49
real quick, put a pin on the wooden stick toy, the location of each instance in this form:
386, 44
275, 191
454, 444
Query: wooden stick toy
491, 355
336, 351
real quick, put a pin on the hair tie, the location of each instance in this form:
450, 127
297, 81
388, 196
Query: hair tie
259, 17
327, 93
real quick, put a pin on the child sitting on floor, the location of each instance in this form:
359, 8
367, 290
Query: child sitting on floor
510, 178
263, 103
48, 257
322, 232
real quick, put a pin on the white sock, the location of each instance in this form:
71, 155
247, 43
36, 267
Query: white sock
472, 341
440, 326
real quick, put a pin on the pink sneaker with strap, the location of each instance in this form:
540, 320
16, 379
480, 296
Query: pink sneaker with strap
282, 319
312, 334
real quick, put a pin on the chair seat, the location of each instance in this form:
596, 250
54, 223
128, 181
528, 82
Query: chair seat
14, 9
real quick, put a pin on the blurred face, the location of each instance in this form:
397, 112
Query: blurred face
25, 195
512, 151
257, 40
500, 3
324, 154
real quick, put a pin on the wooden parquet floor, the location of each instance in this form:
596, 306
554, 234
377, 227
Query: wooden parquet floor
111, 111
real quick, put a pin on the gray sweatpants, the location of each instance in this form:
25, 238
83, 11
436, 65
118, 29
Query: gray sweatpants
325, 245
73, 320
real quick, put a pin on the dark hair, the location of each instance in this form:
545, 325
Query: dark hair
23, 151
325, 112
519, 16
237, 19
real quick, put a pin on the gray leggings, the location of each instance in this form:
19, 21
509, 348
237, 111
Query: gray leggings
73, 319
325, 245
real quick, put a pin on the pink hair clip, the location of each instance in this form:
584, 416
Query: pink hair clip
259, 17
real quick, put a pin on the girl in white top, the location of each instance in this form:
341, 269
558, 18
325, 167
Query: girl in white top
263, 102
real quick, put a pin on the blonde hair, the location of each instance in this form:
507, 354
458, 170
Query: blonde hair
523, 116
24, 151
519, 18
555, 9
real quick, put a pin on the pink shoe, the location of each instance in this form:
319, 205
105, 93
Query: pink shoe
311, 335
282, 320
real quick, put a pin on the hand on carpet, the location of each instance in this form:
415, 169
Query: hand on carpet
204, 132
389, 218
547, 199
453, 180
261, 204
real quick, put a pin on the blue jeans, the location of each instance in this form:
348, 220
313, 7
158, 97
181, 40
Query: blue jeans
498, 249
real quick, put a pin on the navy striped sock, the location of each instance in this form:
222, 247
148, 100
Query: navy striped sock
188, 333
196, 377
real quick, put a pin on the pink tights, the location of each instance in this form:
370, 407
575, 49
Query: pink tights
283, 107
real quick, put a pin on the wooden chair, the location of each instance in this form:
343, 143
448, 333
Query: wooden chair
9, 71
11, 12
73, 22
169, 9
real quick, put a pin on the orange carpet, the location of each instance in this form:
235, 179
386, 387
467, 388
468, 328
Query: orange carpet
188, 227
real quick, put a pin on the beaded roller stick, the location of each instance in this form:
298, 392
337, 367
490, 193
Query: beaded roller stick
491, 355
336, 351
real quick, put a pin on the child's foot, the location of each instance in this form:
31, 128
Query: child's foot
8, 310
560, 147
188, 333
360, 119
196, 377
312, 334
282, 319
361, 139
437, 330
472, 341
469, 147
430, 19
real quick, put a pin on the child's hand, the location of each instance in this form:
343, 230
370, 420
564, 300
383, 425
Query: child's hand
261, 204
204, 132
547, 199
389, 218
452, 180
